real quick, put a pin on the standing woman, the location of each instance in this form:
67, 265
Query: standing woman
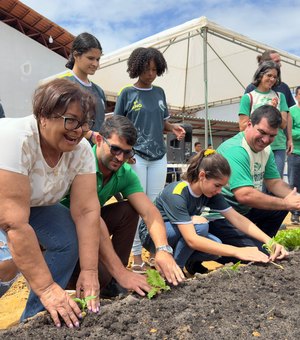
266, 77
181, 204
146, 106
83, 61
42, 157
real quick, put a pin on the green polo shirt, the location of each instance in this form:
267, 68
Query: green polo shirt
125, 181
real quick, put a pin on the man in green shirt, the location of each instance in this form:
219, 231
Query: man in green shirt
114, 146
252, 164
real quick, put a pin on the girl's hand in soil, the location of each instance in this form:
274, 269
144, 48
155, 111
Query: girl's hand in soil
279, 253
133, 281
59, 303
88, 285
167, 267
251, 254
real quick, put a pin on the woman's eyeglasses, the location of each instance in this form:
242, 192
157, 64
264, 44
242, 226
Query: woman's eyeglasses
73, 124
116, 150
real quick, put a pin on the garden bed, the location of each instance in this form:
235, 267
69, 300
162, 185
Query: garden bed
255, 301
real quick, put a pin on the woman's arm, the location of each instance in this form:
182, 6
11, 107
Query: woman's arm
206, 245
85, 211
26, 253
178, 130
243, 121
245, 225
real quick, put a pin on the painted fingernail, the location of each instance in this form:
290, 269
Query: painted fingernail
58, 325
70, 325
76, 324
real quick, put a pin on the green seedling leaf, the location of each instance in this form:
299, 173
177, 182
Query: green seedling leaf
83, 302
270, 246
157, 282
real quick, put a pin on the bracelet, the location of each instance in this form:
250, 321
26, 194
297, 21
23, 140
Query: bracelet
91, 137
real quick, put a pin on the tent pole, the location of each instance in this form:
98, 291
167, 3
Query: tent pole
204, 29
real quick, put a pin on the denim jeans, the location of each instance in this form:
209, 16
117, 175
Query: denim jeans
56, 233
152, 175
279, 156
181, 251
4, 256
293, 174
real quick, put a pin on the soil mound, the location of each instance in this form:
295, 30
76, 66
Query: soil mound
254, 301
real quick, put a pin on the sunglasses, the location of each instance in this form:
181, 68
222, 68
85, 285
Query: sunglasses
116, 150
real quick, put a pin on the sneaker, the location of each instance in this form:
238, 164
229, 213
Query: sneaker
140, 268
295, 219
195, 267
113, 290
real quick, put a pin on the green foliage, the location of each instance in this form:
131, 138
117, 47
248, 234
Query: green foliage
157, 283
290, 239
270, 246
83, 302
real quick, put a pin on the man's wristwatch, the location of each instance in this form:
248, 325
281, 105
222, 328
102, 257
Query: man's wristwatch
166, 248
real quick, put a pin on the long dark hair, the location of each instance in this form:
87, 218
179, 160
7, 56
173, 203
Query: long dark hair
263, 69
82, 43
214, 165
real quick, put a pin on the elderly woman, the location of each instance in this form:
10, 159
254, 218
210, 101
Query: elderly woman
41, 157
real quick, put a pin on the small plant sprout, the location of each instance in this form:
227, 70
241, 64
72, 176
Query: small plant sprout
270, 248
235, 267
157, 283
82, 303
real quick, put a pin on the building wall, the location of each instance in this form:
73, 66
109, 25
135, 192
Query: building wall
23, 63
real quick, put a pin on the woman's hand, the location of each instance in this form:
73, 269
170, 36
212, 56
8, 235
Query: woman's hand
59, 303
166, 265
251, 254
178, 131
279, 252
88, 285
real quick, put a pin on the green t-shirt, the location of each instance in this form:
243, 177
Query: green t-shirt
125, 181
254, 99
248, 168
295, 113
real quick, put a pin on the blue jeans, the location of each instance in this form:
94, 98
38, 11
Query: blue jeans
4, 256
279, 156
181, 251
293, 174
56, 233
152, 175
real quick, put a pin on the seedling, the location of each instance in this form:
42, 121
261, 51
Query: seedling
235, 267
83, 303
157, 283
270, 248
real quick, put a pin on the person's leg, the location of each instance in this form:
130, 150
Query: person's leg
57, 235
279, 156
269, 221
228, 234
121, 220
8, 270
294, 180
141, 168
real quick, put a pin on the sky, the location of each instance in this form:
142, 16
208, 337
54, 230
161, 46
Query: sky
118, 23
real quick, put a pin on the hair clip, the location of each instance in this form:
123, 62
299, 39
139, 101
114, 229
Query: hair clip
208, 152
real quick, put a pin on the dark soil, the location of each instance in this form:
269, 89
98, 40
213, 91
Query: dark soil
257, 300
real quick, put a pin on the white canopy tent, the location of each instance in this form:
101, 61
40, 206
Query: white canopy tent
208, 66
